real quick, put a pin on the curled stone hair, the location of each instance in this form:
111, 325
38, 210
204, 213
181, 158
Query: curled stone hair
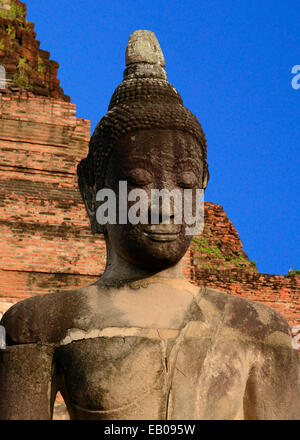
144, 100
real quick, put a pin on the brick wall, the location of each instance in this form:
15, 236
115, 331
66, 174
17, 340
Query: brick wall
45, 239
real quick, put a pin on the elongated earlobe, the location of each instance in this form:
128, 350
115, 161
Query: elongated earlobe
205, 177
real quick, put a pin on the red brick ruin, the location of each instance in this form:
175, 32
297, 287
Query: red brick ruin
46, 243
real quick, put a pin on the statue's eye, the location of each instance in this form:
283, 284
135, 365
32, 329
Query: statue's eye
187, 179
139, 177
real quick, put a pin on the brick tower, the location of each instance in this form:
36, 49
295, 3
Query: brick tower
27, 66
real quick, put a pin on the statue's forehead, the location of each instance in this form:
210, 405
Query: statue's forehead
167, 146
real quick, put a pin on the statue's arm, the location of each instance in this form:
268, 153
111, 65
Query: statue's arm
26, 382
273, 389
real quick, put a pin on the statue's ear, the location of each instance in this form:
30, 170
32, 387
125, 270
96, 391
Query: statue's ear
87, 186
205, 177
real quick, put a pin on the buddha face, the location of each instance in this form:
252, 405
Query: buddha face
153, 160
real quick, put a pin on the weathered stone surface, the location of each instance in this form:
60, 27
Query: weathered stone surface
141, 359
143, 47
144, 58
25, 382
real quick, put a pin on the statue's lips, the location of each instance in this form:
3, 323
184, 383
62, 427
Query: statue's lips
162, 234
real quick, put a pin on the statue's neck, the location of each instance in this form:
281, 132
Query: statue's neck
119, 271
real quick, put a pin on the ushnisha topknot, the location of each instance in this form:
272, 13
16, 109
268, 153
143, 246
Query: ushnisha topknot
144, 100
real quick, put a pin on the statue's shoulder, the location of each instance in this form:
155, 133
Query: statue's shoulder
250, 319
45, 318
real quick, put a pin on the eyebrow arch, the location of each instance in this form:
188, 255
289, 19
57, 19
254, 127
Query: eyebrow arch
142, 164
191, 163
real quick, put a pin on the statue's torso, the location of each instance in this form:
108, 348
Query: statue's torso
165, 351
155, 362
188, 376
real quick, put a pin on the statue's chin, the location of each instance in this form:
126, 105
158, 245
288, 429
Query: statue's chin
155, 262
158, 254
150, 247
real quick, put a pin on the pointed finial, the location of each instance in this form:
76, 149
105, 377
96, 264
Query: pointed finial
143, 47
144, 57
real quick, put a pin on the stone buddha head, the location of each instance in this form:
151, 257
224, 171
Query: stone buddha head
150, 141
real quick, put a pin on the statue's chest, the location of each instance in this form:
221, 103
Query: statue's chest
119, 377
137, 377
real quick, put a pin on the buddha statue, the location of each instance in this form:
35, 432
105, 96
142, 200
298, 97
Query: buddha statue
142, 342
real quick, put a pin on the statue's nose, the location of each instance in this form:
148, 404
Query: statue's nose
161, 210
162, 214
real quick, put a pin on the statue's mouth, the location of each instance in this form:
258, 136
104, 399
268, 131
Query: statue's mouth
162, 232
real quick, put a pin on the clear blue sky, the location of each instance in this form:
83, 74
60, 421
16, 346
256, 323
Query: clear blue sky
231, 62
